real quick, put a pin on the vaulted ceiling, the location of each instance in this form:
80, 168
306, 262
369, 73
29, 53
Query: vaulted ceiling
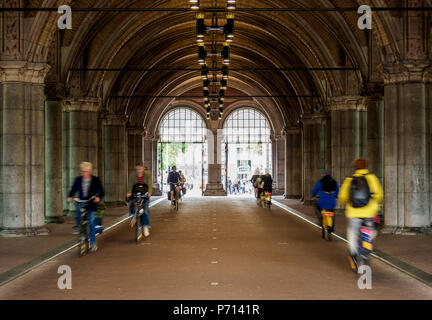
167, 39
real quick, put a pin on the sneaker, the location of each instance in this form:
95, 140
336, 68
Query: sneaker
146, 231
353, 263
99, 229
93, 247
75, 230
133, 221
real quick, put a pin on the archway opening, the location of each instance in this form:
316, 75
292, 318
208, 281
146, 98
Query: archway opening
246, 147
182, 134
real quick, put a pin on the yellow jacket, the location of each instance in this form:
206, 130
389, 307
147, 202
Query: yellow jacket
374, 205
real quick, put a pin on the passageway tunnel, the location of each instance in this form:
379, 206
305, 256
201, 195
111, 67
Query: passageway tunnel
310, 87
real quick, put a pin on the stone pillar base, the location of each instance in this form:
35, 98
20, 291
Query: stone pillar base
277, 192
56, 219
156, 190
292, 196
309, 202
214, 190
24, 232
407, 231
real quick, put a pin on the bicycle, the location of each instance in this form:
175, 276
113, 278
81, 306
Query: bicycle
365, 245
267, 200
84, 235
140, 200
177, 195
327, 223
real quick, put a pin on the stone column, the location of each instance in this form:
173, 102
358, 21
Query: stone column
214, 186
293, 163
135, 148
53, 154
406, 147
348, 134
278, 143
22, 135
375, 131
314, 152
80, 141
115, 159
155, 167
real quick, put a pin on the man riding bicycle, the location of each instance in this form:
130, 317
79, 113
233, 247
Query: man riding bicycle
144, 177
174, 181
87, 186
182, 182
362, 194
268, 182
327, 191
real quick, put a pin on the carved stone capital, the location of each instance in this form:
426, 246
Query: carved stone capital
114, 120
408, 71
137, 131
348, 103
291, 130
81, 104
313, 119
276, 137
23, 71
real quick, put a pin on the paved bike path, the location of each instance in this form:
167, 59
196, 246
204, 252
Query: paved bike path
215, 248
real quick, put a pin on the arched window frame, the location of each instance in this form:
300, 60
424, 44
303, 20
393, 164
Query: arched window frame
246, 125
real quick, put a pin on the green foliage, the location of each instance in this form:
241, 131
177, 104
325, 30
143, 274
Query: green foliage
173, 150
256, 148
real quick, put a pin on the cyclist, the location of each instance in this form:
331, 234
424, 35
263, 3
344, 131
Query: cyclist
327, 191
173, 180
87, 186
268, 182
254, 178
362, 194
258, 186
182, 182
140, 176
236, 186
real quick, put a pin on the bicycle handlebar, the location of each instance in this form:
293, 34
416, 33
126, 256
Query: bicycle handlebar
84, 201
145, 196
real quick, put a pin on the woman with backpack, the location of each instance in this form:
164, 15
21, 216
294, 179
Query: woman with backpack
362, 195
327, 191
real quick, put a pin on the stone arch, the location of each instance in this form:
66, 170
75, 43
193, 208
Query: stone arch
153, 123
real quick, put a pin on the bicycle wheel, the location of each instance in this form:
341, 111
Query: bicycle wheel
82, 246
138, 230
83, 240
323, 225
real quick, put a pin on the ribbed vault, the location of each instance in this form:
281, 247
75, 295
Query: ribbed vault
167, 39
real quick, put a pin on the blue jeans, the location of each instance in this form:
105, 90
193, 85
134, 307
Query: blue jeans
353, 233
145, 218
91, 218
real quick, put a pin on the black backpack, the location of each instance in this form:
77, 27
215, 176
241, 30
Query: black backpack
139, 189
360, 192
328, 184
